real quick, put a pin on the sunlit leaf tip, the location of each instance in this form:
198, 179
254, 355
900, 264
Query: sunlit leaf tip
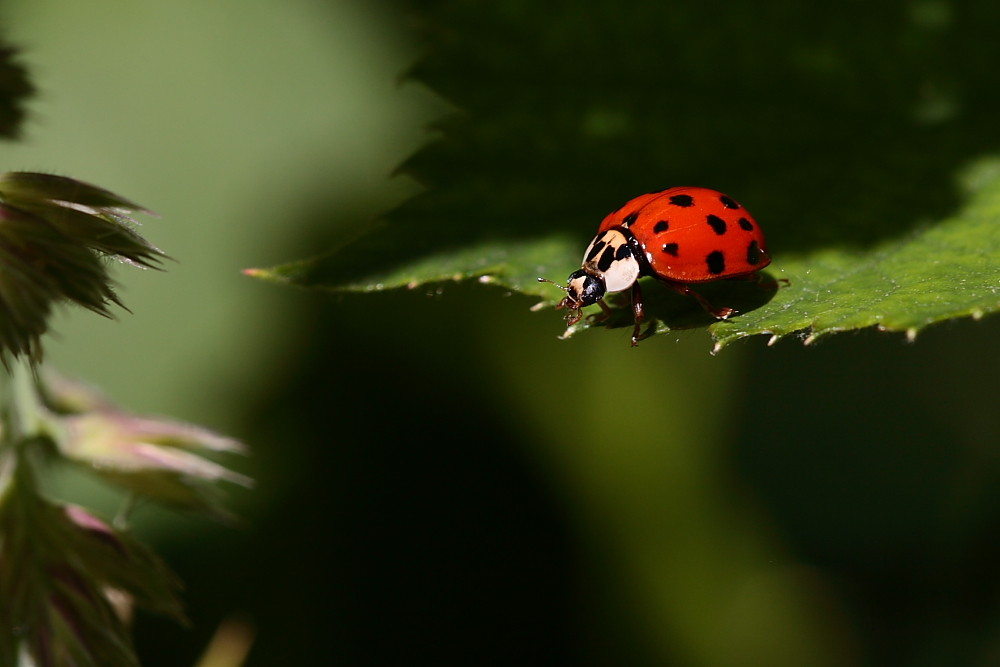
54, 235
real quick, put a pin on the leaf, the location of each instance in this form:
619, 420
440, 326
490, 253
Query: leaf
864, 148
950, 269
54, 236
155, 458
14, 90
19, 187
68, 580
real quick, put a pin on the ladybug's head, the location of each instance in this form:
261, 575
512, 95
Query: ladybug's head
582, 289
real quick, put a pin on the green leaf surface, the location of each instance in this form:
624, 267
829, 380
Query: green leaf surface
865, 149
948, 269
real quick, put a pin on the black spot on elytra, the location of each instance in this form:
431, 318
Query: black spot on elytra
754, 255
716, 262
683, 201
727, 202
670, 249
718, 224
606, 260
598, 247
629, 219
661, 227
745, 224
623, 251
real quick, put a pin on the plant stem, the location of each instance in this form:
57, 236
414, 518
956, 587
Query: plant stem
24, 413
19, 423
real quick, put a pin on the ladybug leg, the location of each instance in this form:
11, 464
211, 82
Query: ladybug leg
576, 315
638, 311
721, 313
593, 317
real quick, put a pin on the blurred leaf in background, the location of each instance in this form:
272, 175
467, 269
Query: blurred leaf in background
14, 91
237, 122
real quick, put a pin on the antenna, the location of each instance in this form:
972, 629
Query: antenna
551, 282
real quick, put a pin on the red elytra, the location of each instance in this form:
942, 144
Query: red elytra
679, 236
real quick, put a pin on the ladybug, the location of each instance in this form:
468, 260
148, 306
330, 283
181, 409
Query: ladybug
679, 236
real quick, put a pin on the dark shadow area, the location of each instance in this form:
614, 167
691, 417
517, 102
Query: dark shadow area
877, 461
839, 125
414, 531
662, 304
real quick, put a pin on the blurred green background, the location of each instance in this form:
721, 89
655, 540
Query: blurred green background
440, 480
